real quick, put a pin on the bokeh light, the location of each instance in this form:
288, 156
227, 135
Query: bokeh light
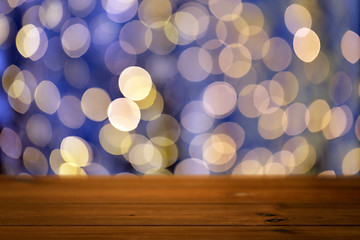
75, 38
94, 104
297, 16
306, 44
179, 87
350, 46
124, 114
135, 83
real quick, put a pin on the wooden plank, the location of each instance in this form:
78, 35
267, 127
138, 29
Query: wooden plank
179, 214
214, 207
215, 189
178, 232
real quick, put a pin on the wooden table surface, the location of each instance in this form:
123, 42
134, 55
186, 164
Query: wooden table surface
159, 207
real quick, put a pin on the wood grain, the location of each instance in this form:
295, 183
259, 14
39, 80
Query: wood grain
179, 232
158, 207
215, 189
179, 214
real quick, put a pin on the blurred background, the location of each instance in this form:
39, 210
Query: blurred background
179, 87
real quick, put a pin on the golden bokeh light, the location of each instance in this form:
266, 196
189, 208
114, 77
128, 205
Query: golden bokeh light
187, 24
201, 15
214, 47
327, 173
56, 160
297, 16
219, 99
21, 88
350, 119
235, 60
164, 38
135, 83
233, 130
76, 151
274, 168
281, 157
246, 103
154, 111
145, 156
251, 77
304, 155
357, 128
351, 162
156, 171
337, 124
124, 114
253, 16
306, 44
28, 40
170, 154
271, 126
154, 13
173, 37
256, 41
163, 131
69, 169
196, 144
226, 10
290, 86
295, 119
35, 161
17, 88
253, 162
268, 96
236, 31
219, 152
191, 166
149, 100
10, 75
248, 167
317, 70
43, 45
114, 141
51, 13
94, 104
319, 115
21, 103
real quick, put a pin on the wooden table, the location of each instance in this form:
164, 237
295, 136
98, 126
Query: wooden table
158, 207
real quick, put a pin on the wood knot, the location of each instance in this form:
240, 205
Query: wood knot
274, 220
283, 231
